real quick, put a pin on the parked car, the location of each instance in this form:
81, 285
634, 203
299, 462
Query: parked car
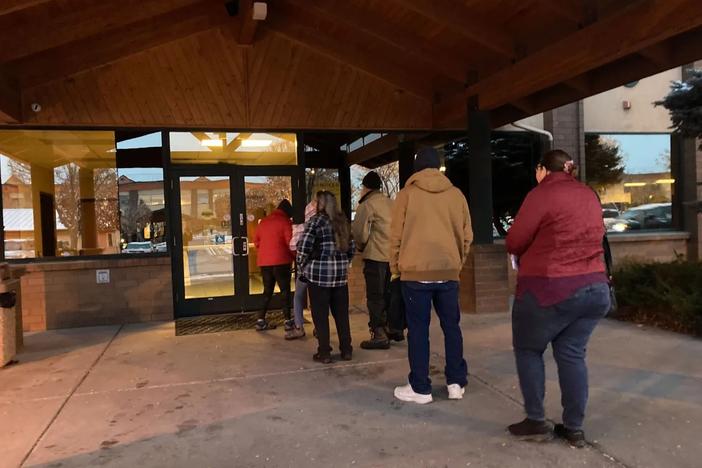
138, 247
651, 216
160, 247
610, 213
19, 248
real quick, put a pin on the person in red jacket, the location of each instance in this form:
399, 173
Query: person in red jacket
562, 293
272, 240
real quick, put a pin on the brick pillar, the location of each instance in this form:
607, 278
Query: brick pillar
566, 123
485, 280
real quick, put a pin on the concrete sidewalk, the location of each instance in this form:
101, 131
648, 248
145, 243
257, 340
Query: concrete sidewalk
139, 396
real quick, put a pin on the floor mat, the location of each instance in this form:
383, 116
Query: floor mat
224, 322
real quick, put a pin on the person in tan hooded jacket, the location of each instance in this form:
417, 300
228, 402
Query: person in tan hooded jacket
430, 238
371, 231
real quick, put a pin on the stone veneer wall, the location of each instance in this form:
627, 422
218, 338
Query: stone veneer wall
64, 294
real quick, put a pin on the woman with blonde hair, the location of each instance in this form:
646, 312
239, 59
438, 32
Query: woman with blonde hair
323, 254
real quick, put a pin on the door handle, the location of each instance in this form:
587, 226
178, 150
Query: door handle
245, 247
234, 252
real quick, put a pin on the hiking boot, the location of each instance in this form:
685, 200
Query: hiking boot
576, 438
455, 391
531, 430
262, 325
379, 340
406, 393
396, 335
289, 324
295, 333
324, 359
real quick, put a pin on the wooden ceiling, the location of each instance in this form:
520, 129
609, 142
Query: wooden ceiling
338, 64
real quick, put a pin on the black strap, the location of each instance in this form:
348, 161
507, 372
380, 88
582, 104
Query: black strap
605, 245
607, 256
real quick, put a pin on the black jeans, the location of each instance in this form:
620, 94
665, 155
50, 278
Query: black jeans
281, 274
322, 300
397, 320
567, 326
377, 275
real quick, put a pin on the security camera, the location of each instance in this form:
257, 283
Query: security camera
36, 107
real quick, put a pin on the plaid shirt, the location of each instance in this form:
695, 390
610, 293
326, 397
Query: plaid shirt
323, 265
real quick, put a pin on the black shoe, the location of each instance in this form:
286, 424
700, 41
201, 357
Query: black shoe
379, 340
576, 438
289, 324
535, 431
324, 359
396, 335
347, 356
262, 325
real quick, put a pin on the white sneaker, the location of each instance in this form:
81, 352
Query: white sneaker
455, 391
405, 393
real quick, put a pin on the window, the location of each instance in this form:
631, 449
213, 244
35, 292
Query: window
246, 149
389, 175
631, 173
322, 179
69, 193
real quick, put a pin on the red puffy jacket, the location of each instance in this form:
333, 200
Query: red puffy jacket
272, 240
558, 231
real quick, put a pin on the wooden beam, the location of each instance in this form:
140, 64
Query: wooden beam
658, 53
342, 44
10, 99
10, 6
44, 27
111, 45
378, 28
571, 10
684, 49
246, 25
373, 149
647, 23
462, 20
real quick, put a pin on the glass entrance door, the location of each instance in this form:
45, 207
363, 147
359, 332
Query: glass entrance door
216, 213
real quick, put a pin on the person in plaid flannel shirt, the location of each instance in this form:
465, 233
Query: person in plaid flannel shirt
323, 254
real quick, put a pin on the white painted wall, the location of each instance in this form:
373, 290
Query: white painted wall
604, 112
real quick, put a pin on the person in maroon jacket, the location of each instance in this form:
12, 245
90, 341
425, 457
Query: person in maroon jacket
562, 292
272, 240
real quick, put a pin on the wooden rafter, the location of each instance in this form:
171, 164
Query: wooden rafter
571, 10
658, 53
10, 6
244, 28
40, 28
647, 23
84, 54
10, 99
461, 19
345, 45
447, 62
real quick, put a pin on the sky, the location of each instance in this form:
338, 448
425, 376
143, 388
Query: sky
642, 153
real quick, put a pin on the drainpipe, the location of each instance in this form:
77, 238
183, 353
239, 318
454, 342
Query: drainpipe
540, 131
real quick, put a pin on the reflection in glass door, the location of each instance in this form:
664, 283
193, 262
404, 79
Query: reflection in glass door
206, 228
263, 194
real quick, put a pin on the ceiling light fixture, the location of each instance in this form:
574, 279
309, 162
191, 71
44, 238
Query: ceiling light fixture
249, 143
212, 143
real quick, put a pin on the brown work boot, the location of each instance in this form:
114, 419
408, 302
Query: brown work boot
379, 340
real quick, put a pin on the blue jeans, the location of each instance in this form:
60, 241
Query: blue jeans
419, 298
567, 326
299, 302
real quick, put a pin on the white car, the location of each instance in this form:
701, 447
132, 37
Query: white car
138, 247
